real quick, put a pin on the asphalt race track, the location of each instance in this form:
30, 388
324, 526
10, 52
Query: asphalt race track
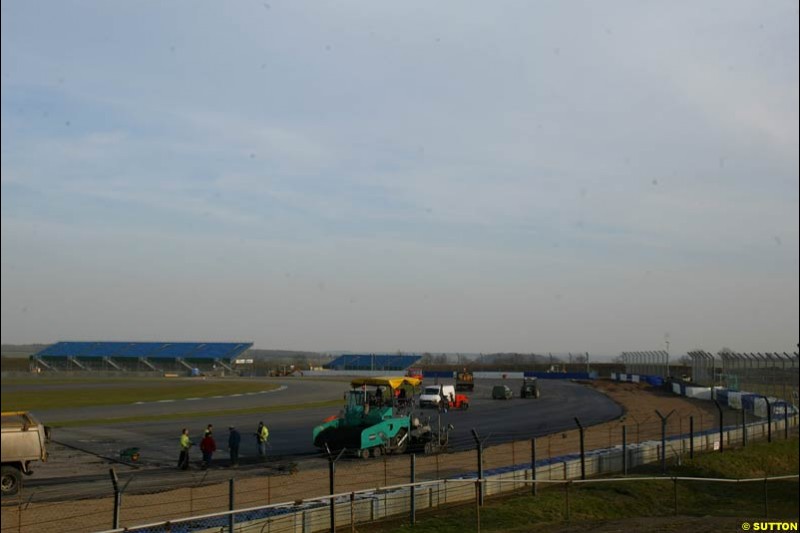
290, 431
496, 421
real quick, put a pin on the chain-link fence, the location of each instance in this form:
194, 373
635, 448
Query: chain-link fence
572, 453
769, 374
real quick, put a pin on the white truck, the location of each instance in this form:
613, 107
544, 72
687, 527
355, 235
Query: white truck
432, 395
23, 442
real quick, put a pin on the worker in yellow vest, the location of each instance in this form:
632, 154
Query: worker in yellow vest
186, 443
262, 436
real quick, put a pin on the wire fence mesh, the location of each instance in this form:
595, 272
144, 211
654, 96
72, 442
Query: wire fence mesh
610, 447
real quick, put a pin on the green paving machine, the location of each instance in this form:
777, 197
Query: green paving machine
375, 421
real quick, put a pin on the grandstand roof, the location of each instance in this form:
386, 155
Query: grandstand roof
373, 362
150, 350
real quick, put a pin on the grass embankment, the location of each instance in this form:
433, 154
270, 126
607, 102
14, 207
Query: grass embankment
115, 392
199, 414
593, 504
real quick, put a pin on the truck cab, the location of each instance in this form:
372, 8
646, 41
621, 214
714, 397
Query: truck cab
465, 380
530, 388
432, 395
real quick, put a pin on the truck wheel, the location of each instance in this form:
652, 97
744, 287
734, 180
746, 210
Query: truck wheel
465, 406
11, 480
364, 453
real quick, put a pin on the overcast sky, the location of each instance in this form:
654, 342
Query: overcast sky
416, 176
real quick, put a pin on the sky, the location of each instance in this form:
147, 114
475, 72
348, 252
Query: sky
415, 176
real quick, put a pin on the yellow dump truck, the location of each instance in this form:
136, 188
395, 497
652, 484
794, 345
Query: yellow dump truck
465, 380
23, 442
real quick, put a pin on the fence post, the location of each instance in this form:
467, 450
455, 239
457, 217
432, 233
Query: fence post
664, 439
721, 428
533, 466
478, 495
332, 483
413, 491
769, 419
785, 419
353, 512
744, 427
231, 503
624, 450
675, 494
691, 437
583, 451
479, 445
117, 498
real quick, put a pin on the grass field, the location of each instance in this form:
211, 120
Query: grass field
199, 414
622, 505
71, 394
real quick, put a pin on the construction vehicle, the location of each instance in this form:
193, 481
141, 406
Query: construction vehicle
414, 373
23, 442
465, 380
502, 392
432, 396
372, 424
530, 388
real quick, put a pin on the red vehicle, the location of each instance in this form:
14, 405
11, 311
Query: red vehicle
461, 402
414, 373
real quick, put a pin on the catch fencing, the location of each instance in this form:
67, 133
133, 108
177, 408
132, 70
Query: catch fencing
770, 374
347, 510
278, 497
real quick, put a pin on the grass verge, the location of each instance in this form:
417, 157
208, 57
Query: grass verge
199, 414
123, 392
592, 505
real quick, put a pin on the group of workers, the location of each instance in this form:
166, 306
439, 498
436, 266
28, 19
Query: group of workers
208, 445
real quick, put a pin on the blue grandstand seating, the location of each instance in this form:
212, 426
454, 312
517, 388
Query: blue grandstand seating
138, 349
94, 355
373, 362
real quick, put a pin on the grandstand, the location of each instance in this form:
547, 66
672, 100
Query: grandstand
138, 356
373, 362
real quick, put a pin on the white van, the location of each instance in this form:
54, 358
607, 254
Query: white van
432, 395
